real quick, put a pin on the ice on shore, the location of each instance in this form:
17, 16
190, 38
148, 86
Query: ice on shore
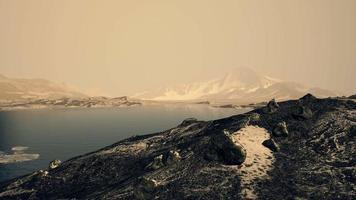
19, 148
17, 155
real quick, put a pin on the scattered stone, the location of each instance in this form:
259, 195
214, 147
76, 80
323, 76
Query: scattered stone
145, 188
43, 173
228, 150
54, 164
272, 106
281, 129
271, 144
173, 157
156, 163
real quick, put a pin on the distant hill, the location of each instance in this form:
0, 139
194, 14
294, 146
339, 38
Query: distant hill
243, 85
15, 89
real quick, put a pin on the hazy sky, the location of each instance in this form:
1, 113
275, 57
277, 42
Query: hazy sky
122, 47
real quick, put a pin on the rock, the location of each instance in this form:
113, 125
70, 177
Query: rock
271, 144
156, 163
54, 164
43, 173
188, 121
145, 188
280, 129
272, 106
173, 157
228, 150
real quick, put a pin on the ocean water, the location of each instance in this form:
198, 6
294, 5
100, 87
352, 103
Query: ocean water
43, 135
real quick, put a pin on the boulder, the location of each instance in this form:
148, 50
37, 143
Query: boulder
43, 173
272, 106
145, 188
54, 164
156, 163
228, 150
173, 157
271, 144
280, 129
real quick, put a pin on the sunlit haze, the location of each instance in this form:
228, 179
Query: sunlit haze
125, 47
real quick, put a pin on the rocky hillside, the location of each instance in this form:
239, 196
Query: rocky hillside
300, 149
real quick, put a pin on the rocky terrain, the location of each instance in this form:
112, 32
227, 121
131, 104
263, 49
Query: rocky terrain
298, 149
86, 102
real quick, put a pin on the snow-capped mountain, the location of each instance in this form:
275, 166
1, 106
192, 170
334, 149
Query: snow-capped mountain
242, 85
15, 89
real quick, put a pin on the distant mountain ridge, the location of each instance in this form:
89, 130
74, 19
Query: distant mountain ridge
15, 89
243, 85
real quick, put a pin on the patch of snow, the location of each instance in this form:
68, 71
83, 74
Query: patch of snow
19, 148
258, 161
18, 155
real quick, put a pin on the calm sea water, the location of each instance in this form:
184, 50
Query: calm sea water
64, 133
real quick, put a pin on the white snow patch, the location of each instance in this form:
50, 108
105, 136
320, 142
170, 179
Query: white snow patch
18, 155
19, 148
258, 161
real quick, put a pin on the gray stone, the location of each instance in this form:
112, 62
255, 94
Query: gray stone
280, 129
229, 151
54, 164
272, 106
156, 163
271, 144
43, 173
173, 157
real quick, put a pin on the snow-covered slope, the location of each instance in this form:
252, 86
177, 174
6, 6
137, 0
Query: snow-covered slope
15, 89
243, 85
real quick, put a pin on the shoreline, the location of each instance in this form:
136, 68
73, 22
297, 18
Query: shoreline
207, 159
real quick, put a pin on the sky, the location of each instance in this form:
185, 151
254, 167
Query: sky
121, 47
